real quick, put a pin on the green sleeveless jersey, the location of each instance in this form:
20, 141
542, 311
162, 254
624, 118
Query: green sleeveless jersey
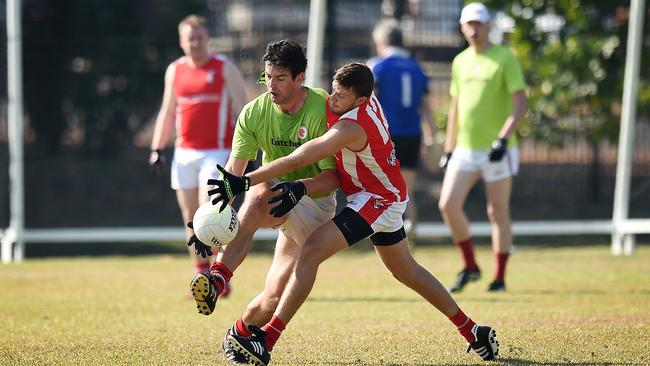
263, 126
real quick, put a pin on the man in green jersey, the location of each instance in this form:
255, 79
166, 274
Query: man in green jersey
487, 104
277, 122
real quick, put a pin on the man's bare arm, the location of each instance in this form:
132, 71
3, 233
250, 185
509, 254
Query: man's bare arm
333, 141
519, 107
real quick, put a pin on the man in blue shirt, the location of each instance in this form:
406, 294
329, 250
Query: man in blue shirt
401, 87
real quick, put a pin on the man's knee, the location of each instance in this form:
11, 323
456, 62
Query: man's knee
310, 256
255, 210
403, 267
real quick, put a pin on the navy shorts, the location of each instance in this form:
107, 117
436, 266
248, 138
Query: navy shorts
407, 149
354, 228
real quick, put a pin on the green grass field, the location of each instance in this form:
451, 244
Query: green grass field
565, 305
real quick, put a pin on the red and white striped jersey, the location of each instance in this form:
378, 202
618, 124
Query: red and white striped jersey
204, 116
375, 168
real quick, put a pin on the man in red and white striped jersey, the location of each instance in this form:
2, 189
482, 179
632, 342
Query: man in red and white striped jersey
376, 199
203, 94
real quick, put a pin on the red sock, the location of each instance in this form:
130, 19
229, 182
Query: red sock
273, 330
464, 325
201, 267
241, 328
501, 259
467, 248
222, 275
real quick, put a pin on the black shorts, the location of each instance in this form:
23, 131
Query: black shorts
407, 149
354, 228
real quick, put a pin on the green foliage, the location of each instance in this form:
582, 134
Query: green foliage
565, 305
575, 74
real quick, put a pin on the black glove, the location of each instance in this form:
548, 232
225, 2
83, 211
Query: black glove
291, 194
199, 248
444, 160
498, 149
156, 161
227, 187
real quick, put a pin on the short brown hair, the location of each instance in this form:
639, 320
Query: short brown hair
193, 21
356, 77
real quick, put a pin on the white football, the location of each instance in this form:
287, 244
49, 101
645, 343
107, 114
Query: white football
213, 227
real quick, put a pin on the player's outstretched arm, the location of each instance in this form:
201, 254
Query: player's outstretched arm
335, 139
326, 181
291, 192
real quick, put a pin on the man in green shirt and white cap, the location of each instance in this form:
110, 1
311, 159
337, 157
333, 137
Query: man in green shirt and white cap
487, 104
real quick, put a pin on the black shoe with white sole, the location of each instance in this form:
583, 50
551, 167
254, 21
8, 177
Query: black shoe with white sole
485, 344
233, 357
252, 347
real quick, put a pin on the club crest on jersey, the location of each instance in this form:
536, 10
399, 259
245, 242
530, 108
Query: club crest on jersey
302, 132
392, 158
210, 77
377, 204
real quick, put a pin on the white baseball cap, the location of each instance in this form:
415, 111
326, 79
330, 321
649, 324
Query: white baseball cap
474, 12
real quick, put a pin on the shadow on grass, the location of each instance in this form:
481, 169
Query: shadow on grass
360, 363
565, 291
493, 299
520, 362
362, 299
499, 361
412, 300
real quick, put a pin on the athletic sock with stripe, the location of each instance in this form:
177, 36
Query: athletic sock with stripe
464, 325
273, 330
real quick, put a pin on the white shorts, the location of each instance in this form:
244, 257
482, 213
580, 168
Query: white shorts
308, 215
466, 160
192, 168
382, 218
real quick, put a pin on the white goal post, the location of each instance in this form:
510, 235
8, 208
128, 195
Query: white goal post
623, 230
13, 238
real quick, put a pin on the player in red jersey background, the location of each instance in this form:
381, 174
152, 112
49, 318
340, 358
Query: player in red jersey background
203, 94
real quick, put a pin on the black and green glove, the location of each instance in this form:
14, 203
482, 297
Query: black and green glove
199, 248
291, 194
227, 187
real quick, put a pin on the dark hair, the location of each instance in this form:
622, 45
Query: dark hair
357, 77
288, 55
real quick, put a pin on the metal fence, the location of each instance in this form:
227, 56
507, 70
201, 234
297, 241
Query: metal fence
74, 188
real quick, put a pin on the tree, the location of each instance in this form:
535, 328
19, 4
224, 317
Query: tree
574, 67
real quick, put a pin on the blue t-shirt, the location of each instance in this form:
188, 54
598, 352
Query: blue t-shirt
400, 85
